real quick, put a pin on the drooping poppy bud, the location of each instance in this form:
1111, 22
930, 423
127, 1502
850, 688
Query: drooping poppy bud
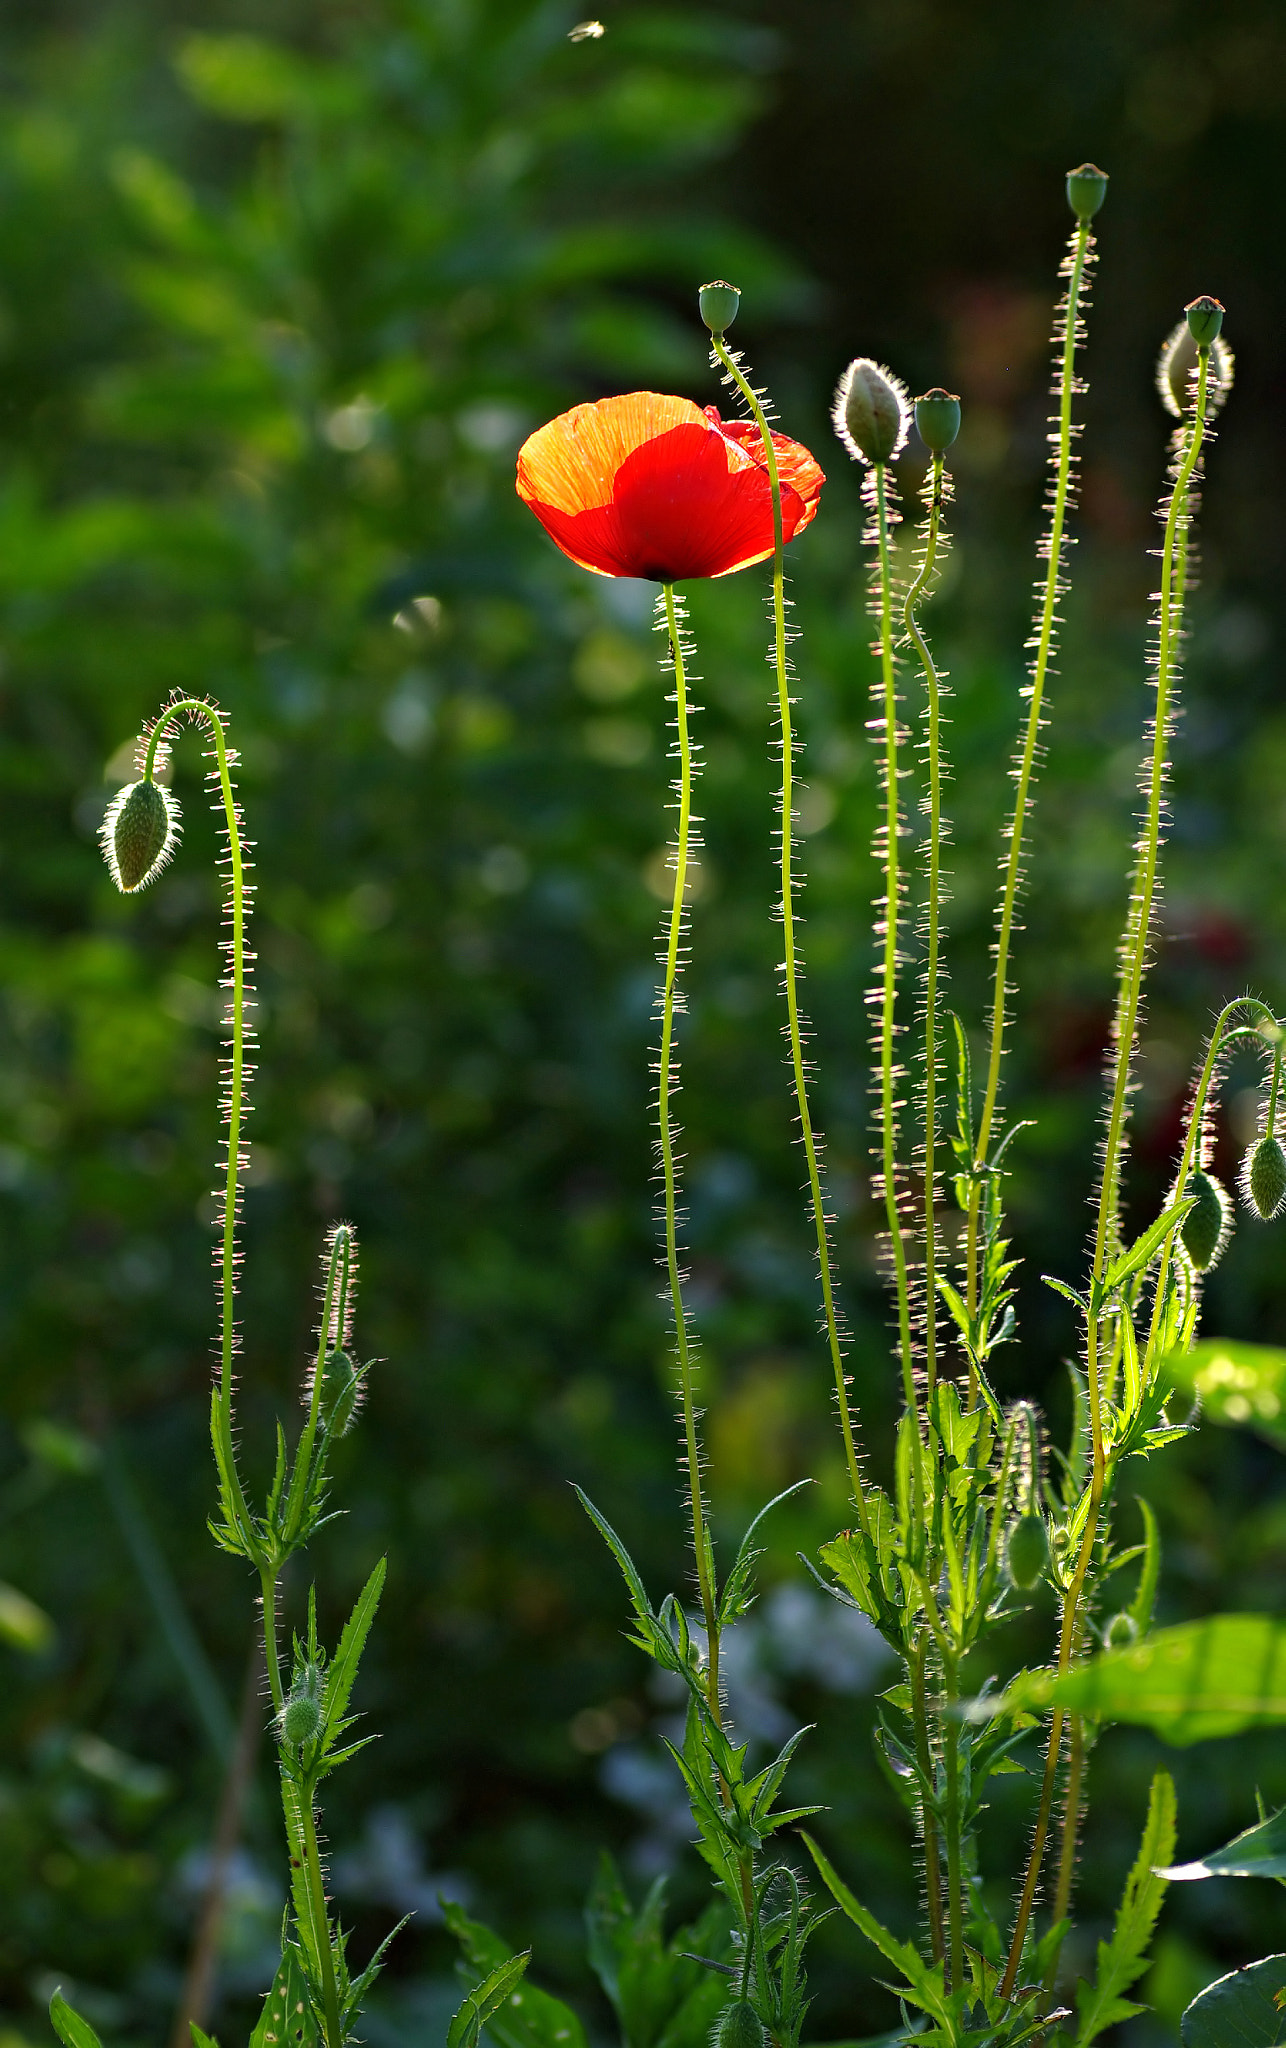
871, 412
1205, 318
740, 2027
1207, 1226
1178, 360
1027, 1550
937, 420
1263, 1177
1121, 1633
139, 834
719, 302
1086, 190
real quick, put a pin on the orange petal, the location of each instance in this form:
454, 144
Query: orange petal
800, 474
571, 464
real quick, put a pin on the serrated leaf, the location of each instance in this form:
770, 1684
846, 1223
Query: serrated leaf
736, 1595
286, 2019
342, 1672
924, 1983
1241, 2010
1123, 1959
478, 2007
1146, 1246
527, 2017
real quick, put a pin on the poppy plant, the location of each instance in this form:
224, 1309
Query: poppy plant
653, 486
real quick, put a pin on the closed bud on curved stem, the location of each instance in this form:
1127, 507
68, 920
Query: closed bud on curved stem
719, 303
139, 834
1086, 190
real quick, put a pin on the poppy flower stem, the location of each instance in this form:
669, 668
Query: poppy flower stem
667, 1084
1077, 264
792, 963
933, 913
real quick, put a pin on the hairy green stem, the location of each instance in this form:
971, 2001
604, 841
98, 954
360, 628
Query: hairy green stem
666, 1083
1047, 618
933, 689
916, 1663
316, 1886
791, 963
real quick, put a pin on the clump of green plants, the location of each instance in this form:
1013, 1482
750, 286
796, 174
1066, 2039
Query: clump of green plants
981, 1508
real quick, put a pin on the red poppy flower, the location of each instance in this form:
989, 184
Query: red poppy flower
649, 485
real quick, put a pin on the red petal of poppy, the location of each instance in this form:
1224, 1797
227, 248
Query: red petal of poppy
571, 463
800, 475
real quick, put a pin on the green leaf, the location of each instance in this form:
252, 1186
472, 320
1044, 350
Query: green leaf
343, 1670
737, 1593
527, 2017
71, 2029
1122, 1960
287, 2016
1204, 1678
1140, 1608
200, 2039
1146, 1247
1244, 2010
490, 1995
1241, 1384
924, 1985
663, 1998
1256, 1852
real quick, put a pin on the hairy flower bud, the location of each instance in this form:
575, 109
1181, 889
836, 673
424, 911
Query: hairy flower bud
1121, 1633
341, 1392
1176, 363
872, 412
1027, 1550
300, 1717
1086, 190
1205, 318
1207, 1226
719, 302
937, 419
1263, 1178
740, 2027
139, 834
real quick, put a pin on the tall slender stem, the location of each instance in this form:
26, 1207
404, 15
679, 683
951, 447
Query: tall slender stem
1080, 256
916, 1662
316, 1886
666, 1086
1133, 966
889, 970
933, 919
792, 963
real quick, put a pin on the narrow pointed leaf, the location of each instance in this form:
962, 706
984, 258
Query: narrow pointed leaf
71, 2029
1123, 1959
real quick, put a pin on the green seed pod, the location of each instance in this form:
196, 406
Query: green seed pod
1086, 190
139, 834
1176, 363
301, 1718
937, 419
1263, 1178
1207, 1227
1121, 1633
872, 412
1205, 318
739, 2027
341, 1393
719, 302
1027, 1550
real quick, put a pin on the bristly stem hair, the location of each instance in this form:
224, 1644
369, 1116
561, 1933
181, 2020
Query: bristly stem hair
1077, 266
670, 620
792, 964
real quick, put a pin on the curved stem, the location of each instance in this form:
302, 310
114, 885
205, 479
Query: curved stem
1047, 618
791, 963
933, 689
666, 1084
194, 707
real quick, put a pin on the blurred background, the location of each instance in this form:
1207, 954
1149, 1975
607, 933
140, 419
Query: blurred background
282, 287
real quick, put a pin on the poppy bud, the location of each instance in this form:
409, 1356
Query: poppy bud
1121, 1633
937, 419
340, 1393
740, 2027
1027, 1550
719, 302
300, 1717
1263, 1178
139, 834
871, 412
1086, 190
1205, 318
1176, 363
1208, 1225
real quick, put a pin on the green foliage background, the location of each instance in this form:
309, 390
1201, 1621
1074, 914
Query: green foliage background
281, 289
